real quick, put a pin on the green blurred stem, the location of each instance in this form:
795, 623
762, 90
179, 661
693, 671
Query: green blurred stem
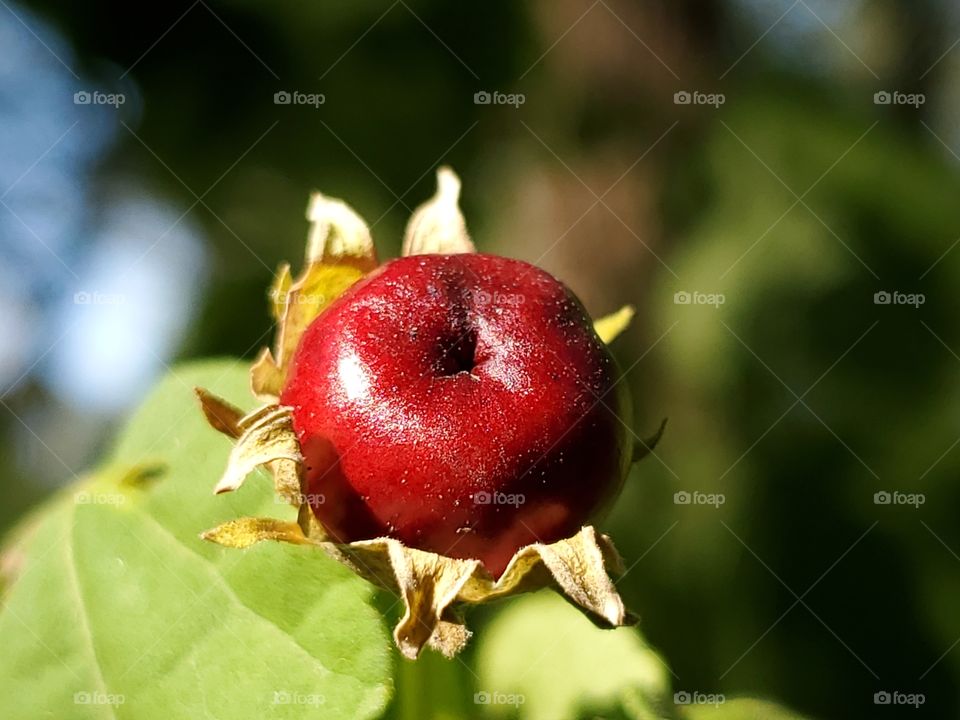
433, 688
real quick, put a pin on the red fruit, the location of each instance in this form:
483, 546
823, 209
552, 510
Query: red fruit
453, 402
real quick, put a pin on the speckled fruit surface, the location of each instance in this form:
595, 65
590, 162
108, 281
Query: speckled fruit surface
451, 402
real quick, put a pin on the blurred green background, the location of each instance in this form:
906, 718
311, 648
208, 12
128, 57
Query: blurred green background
779, 200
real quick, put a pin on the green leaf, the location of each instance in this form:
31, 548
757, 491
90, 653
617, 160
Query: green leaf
543, 660
119, 610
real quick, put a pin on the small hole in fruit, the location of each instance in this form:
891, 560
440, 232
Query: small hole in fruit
459, 355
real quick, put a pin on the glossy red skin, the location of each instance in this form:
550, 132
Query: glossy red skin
400, 432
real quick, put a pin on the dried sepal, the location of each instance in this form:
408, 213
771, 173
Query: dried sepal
286, 479
244, 532
266, 378
264, 437
428, 584
310, 526
222, 416
576, 566
438, 226
610, 326
267, 439
579, 565
338, 235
